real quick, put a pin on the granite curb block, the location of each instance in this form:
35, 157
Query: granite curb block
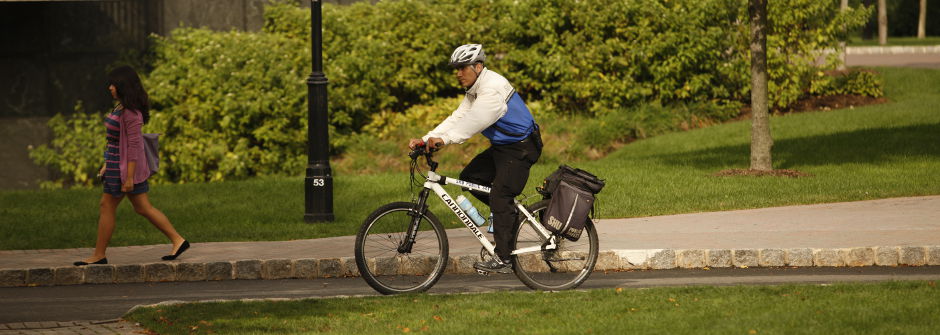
608, 260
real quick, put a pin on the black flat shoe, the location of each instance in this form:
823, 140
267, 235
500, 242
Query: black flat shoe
100, 261
179, 251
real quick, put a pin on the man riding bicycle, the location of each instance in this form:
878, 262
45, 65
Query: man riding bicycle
492, 107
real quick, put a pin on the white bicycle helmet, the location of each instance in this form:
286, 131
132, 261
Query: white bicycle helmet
467, 54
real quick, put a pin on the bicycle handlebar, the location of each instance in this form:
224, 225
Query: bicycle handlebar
421, 149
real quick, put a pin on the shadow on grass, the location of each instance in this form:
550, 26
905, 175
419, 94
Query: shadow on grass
866, 146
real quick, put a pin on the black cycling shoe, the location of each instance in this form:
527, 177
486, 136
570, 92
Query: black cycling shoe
494, 265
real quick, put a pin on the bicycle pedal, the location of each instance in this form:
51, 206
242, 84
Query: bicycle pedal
482, 272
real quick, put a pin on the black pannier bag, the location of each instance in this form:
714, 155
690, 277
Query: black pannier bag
568, 211
576, 177
571, 192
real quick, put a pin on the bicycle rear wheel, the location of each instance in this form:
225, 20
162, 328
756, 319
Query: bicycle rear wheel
384, 264
563, 268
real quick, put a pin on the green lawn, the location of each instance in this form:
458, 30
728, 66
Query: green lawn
872, 152
882, 308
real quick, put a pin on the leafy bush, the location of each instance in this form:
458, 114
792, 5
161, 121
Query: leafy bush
233, 104
378, 58
229, 104
596, 57
76, 152
801, 31
858, 82
582, 57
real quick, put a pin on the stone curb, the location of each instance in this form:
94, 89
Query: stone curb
609, 260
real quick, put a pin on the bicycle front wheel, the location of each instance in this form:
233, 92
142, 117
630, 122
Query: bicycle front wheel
387, 263
563, 268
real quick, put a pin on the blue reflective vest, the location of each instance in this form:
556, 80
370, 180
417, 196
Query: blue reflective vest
514, 126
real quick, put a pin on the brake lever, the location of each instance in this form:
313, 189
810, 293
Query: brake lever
416, 152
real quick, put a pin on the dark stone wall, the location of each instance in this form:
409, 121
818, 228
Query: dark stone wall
18, 134
54, 54
245, 15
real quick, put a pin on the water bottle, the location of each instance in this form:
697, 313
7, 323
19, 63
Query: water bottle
468, 208
490, 221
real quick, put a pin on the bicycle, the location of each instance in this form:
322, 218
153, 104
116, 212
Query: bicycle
402, 246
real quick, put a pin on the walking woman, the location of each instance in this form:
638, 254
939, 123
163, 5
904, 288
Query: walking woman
125, 169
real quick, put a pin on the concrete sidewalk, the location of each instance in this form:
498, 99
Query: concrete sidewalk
924, 56
890, 232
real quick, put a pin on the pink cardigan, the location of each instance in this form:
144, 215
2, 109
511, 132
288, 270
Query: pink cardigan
132, 146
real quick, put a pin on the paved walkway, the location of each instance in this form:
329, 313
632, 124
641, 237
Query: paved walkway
120, 327
899, 231
915, 60
927, 56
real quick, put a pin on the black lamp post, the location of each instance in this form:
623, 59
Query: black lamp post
318, 185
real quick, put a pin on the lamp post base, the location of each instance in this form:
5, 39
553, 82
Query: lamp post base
318, 194
316, 218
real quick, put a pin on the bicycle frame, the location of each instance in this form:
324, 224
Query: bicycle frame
542, 260
435, 182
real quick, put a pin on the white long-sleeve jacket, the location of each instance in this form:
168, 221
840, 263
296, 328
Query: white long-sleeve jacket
482, 106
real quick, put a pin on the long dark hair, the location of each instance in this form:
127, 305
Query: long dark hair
130, 91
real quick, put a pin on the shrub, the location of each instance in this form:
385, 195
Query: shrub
76, 152
233, 104
229, 104
857, 82
596, 57
378, 58
583, 57
801, 32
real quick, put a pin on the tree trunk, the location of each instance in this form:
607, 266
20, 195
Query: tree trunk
922, 21
844, 6
882, 22
761, 141
868, 31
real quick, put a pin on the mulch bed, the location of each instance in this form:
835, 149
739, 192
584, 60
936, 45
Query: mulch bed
824, 103
833, 102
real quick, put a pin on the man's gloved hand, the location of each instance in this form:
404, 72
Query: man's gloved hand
435, 142
414, 143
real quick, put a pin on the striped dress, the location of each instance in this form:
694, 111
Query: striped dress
112, 158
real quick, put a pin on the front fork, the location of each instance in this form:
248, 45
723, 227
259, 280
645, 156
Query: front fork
416, 213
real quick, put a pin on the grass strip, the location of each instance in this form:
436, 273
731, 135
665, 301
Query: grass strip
896, 41
879, 308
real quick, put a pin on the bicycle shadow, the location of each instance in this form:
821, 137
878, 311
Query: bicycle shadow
865, 146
